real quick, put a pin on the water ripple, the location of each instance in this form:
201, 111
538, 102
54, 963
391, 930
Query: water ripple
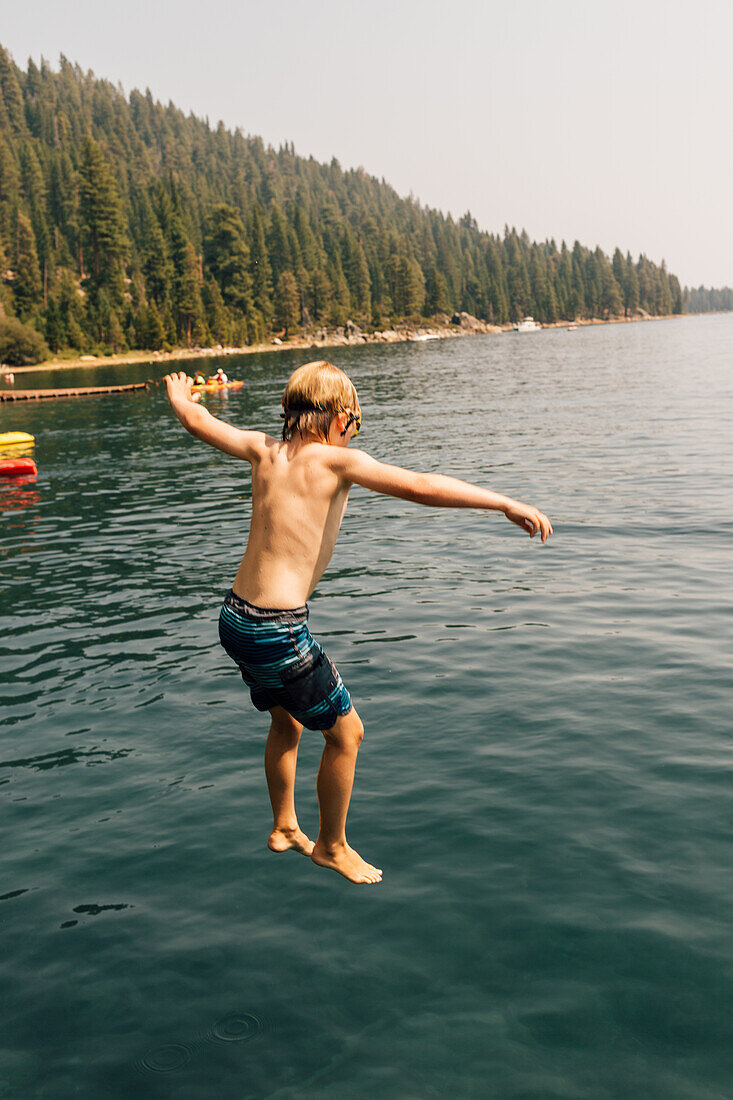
545, 775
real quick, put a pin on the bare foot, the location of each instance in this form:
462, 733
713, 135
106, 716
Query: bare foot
347, 862
283, 840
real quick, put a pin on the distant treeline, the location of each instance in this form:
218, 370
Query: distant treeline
125, 223
704, 300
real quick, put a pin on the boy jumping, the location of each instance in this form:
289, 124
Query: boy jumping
300, 486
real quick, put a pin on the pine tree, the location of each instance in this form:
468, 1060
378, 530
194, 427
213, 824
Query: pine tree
630, 285
611, 301
27, 281
619, 273
101, 220
256, 327
287, 303
406, 285
644, 279
186, 292
498, 289
260, 270
321, 295
227, 257
115, 336
154, 332
34, 192
186, 315
361, 282
436, 293
677, 297
54, 329
156, 263
578, 306
11, 95
9, 191
340, 303
216, 312
307, 243
539, 284
278, 245
71, 310
62, 208
663, 298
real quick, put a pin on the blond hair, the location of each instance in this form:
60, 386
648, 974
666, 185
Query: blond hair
314, 395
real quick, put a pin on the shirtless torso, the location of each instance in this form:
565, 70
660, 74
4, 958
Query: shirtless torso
298, 501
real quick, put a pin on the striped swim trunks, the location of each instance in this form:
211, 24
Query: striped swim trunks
281, 662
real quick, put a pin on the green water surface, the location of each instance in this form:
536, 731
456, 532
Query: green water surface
545, 777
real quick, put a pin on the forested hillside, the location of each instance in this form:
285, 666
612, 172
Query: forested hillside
126, 224
704, 299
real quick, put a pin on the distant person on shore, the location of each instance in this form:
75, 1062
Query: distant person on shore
300, 486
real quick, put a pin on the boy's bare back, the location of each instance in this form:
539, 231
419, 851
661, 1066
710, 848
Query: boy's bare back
298, 501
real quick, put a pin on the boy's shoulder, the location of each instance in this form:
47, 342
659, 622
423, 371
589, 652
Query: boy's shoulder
345, 459
360, 468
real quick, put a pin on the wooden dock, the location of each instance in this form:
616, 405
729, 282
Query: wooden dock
74, 391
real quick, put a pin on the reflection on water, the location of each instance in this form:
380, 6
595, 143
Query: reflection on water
16, 494
544, 777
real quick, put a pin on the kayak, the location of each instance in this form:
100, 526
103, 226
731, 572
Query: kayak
219, 386
211, 384
8, 438
18, 467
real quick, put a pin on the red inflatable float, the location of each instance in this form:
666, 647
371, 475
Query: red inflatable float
18, 467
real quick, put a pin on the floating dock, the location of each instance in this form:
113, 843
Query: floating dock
75, 391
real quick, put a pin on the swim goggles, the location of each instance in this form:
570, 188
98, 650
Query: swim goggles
311, 406
353, 419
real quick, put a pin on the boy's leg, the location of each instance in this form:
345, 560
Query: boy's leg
335, 780
281, 756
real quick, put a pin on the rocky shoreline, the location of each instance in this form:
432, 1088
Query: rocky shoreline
350, 335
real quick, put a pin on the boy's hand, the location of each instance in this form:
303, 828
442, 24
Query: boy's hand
179, 389
529, 518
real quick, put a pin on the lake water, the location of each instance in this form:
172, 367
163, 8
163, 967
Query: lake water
545, 777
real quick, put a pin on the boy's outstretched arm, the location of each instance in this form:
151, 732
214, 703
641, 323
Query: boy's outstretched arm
437, 490
199, 422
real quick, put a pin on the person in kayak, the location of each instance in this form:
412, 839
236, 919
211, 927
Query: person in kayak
198, 379
221, 378
300, 488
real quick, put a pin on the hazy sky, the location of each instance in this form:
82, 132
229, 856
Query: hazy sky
609, 123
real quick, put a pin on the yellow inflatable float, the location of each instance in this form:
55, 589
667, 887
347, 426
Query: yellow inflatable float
8, 438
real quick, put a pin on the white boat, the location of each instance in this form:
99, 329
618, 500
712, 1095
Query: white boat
527, 324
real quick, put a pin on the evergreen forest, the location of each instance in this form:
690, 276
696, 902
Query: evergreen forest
704, 299
126, 224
